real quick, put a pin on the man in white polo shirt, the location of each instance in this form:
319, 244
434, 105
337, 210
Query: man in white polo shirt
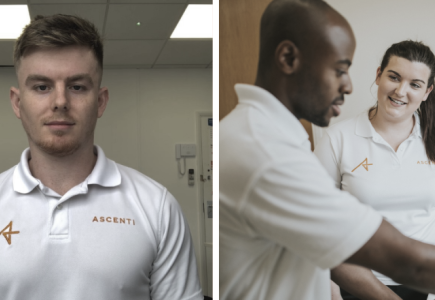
74, 224
283, 223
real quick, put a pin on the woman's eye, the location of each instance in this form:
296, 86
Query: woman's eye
393, 77
415, 85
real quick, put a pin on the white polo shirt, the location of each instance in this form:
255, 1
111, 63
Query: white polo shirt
117, 235
282, 222
399, 185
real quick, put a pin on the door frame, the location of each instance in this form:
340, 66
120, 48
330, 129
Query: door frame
200, 207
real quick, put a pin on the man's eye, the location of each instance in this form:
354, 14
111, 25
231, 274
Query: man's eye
78, 88
340, 73
42, 88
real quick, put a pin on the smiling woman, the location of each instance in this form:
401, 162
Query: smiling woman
377, 157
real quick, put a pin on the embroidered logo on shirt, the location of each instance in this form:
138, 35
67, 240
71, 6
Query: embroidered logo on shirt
8, 234
365, 164
114, 220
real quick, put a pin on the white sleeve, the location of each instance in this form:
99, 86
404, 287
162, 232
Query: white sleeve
295, 204
329, 158
174, 274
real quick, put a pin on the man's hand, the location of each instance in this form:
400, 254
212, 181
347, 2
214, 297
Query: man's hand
335, 291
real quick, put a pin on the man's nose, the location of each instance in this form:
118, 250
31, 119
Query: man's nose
346, 87
60, 101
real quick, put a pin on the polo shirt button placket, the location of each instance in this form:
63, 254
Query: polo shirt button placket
60, 225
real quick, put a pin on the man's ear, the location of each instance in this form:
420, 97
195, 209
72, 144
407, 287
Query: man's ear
287, 57
103, 98
14, 95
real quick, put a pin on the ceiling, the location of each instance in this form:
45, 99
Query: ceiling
127, 45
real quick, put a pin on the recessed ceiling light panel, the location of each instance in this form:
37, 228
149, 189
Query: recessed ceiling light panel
13, 18
196, 22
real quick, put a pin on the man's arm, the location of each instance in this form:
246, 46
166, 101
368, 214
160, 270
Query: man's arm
335, 291
405, 260
174, 274
361, 283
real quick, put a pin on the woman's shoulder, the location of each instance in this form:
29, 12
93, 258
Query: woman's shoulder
347, 126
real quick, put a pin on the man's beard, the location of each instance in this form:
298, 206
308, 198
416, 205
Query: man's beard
319, 118
307, 98
58, 145
305, 110
55, 146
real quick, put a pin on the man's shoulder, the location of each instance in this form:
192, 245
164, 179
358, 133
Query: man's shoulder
132, 176
142, 186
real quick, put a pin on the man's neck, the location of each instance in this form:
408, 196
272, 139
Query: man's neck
276, 89
62, 173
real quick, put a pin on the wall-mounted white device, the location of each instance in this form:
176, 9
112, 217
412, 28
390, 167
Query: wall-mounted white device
185, 150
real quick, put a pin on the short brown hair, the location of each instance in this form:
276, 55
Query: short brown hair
59, 31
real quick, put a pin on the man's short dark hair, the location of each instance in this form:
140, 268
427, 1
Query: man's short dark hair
289, 20
58, 31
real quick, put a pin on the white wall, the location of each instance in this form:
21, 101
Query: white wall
149, 111
377, 24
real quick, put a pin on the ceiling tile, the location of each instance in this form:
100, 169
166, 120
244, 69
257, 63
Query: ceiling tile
200, 1
137, 52
6, 52
66, 1
187, 51
91, 12
5, 2
157, 21
149, 1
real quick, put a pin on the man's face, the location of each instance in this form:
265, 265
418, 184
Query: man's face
59, 99
324, 78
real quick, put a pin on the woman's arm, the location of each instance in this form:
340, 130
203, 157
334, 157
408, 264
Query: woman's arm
361, 283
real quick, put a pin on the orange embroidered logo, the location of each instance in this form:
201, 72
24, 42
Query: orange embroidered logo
7, 234
114, 220
365, 164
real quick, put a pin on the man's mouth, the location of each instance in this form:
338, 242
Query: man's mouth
60, 125
397, 101
59, 122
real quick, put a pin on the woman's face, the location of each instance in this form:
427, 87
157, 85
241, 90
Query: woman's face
402, 86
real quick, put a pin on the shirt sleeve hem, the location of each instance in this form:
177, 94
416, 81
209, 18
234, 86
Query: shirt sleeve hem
197, 296
356, 239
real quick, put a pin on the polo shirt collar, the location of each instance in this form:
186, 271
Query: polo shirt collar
105, 173
284, 121
364, 127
